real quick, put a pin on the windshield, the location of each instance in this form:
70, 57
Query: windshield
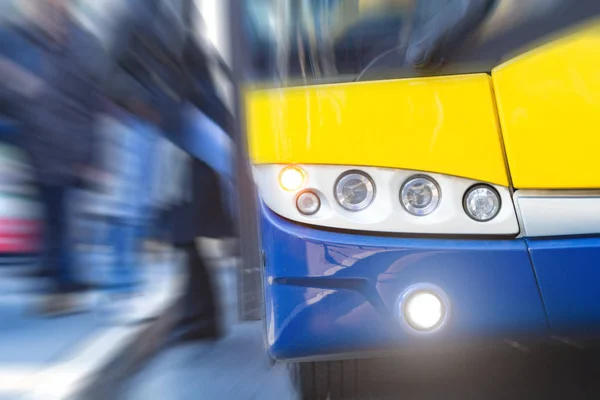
9, 12
298, 42
321, 39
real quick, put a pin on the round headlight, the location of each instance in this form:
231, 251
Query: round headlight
292, 178
308, 203
354, 191
420, 195
482, 203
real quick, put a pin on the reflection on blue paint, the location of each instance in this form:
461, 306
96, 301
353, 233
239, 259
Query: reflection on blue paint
330, 292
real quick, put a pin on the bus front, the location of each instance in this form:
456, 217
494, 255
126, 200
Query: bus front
407, 205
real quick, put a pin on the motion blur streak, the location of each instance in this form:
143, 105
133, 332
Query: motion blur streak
116, 154
270, 199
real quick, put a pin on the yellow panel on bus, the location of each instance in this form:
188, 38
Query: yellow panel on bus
549, 108
445, 125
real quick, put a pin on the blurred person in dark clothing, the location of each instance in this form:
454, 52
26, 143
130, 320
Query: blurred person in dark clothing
162, 69
124, 206
58, 128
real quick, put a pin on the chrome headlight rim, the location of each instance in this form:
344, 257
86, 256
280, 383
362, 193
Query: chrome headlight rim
481, 186
370, 196
308, 192
436, 196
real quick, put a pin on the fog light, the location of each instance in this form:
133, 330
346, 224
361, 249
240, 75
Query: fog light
424, 310
292, 178
308, 203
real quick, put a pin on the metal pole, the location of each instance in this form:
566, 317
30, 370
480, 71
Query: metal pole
249, 271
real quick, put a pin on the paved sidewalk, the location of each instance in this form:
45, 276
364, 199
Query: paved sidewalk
235, 367
51, 358
28, 341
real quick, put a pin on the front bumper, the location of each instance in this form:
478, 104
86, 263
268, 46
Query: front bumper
333, 294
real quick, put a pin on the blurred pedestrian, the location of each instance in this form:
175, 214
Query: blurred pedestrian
126, 198
163, 69
118, 214
164, 193
58, 132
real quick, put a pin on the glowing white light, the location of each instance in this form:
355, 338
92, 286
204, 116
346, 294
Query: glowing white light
292, 178
424, 311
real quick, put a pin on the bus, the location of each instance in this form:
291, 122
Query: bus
427, 176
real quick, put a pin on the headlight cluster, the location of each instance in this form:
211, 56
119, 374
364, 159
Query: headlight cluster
420, 195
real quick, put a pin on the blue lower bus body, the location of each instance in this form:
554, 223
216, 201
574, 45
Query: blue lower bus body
331, 294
